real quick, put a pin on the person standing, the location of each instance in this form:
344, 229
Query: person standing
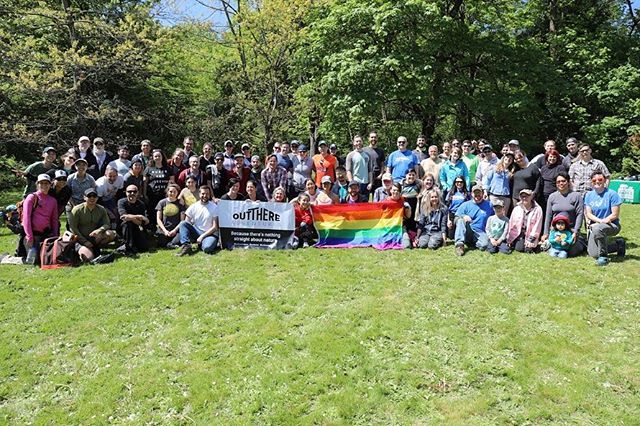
432, 164
583, 168
324, 164
39, 217
144, 156
572, 152
102, 156
122, 163
359, 167
377, 158
83, 151
421, 148
32, 172
400, 161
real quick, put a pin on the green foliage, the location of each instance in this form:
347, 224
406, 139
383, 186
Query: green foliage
8, 179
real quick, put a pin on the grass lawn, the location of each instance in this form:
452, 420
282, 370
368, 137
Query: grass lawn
324, 336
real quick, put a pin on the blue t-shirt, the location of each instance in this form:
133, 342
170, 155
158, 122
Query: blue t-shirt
479, 213
602, 203
400, 162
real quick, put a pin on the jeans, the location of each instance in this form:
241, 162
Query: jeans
465, 234
503, 247
189, 234
432, 241
597, 244
562, 254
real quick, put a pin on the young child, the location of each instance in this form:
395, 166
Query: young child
496, 229
305, 231
560, 237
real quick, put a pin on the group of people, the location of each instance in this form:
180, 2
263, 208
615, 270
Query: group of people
471, 194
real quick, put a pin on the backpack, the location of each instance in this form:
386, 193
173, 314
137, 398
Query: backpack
58, 252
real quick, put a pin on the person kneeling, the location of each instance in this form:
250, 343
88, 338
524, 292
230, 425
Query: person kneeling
200, 224
90, 222
432, 225
305, 230
471, 220
496, 229
133, 221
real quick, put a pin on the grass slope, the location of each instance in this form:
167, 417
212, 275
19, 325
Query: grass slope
323, 336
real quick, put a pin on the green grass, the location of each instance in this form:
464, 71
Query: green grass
324, 336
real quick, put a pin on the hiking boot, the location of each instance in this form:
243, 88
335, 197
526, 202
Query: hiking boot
621, 247
459, 250
602, 261
184, 250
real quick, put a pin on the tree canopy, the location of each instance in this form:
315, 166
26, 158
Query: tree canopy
309, 69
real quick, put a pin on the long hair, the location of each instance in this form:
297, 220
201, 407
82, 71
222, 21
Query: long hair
426, 201
500, 167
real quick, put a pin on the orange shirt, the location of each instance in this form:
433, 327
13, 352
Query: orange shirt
324, 166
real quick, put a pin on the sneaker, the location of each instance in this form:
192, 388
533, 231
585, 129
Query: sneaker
305, 245
602, 261
172, 246
622, 247
184, 250
122, 249
459, 250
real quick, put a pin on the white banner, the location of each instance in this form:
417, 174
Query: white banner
244, 224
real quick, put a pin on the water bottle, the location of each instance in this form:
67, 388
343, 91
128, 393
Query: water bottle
32, 256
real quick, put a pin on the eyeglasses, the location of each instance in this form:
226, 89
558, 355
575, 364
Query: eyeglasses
585, 150
132, 192
402, 143
219, 159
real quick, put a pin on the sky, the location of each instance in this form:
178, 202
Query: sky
172, 12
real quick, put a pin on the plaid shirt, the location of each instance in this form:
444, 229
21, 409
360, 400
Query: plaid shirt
272, 179
580, 173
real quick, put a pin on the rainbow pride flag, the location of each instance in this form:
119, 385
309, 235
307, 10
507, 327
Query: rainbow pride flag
377, 225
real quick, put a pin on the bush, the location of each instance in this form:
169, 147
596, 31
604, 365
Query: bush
8, 179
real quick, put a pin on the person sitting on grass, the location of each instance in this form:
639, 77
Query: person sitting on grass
471, 220
170, 212
496, 229
132, 223
39, 217
90, 222
602, 210
560, 238
525, 223
189, 194
305, 231
457, 195
200, 225
432, 224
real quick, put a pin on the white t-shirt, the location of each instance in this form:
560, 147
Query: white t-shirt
121, 166
107, 190
202, 216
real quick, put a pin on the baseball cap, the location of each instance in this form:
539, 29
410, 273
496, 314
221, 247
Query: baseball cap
498, 203
514, 142
228, 143
84, 138
80, 160
302, 148
325, 179
333, 146
526, 191
238, 155
322, 143
218, 155
43, 177
387, 176
295, 142
487, 147
49, 148
477, 188
353, 182
245, 146
90, 191
61, 174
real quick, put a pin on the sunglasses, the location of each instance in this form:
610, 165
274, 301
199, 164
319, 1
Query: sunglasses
597, 180
92, 196
61, 178
132, 192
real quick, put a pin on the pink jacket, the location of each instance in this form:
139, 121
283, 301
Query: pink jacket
44, 216
533, 226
